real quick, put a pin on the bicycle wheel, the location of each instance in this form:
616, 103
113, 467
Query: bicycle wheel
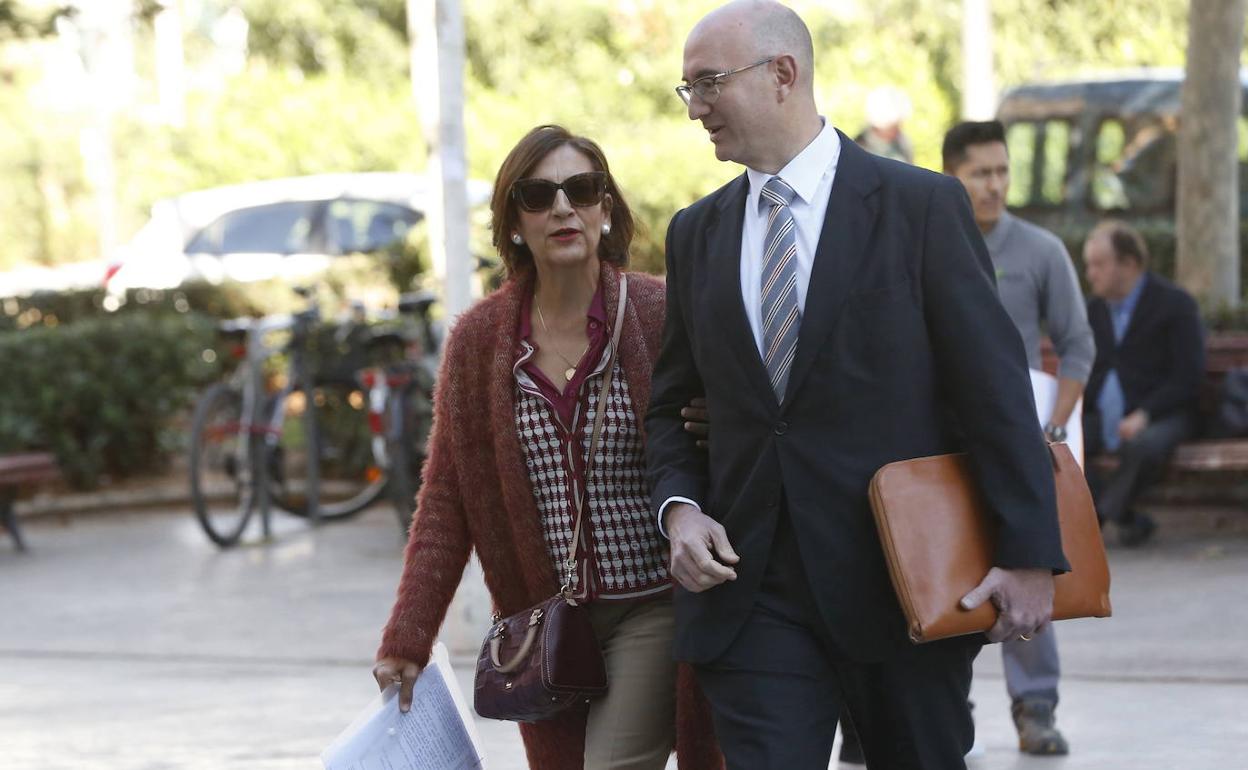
325, 442
406, 450
222, 453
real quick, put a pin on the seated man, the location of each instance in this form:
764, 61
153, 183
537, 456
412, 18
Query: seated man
1141, 397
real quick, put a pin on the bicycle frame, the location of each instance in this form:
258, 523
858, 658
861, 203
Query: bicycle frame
258, 432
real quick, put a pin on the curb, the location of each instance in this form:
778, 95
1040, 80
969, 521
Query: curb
164, 493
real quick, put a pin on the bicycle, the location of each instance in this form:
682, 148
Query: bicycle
255, 448
400, 397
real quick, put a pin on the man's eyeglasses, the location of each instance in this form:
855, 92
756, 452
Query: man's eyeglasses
707, 88
583, 190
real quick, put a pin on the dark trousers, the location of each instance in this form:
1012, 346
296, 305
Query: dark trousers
1139, 461
778, 690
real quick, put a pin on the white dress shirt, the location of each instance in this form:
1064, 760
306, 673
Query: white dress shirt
810, 174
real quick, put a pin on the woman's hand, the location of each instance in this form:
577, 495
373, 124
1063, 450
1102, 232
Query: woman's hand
698, 422
400, 671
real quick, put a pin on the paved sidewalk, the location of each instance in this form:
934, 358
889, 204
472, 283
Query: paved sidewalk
129, 642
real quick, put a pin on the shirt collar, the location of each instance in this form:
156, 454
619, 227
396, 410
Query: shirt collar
1129, 302
995, 238
806, 170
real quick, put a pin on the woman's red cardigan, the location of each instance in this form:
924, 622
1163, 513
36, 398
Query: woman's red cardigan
476, 494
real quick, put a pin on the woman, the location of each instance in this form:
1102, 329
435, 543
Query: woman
521, 370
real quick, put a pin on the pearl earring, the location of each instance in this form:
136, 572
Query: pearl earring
606, 228
516, 239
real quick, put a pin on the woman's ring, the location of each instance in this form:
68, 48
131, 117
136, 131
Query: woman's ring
1024, 638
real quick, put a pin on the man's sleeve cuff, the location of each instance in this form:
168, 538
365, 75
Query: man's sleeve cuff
663, 509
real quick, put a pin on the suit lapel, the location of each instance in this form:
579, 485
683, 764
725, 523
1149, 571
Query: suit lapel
842, 248
1144, 309
723, 266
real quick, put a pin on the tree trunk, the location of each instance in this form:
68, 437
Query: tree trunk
170, 63
1208, 184
436, 31
979, 91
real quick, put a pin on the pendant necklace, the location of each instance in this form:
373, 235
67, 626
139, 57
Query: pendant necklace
570, 372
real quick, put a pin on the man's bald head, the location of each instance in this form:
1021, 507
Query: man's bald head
763, 113
767, 28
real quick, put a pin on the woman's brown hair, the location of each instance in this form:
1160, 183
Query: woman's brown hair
520, 162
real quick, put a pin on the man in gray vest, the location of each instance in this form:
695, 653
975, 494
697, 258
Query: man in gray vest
1040, 291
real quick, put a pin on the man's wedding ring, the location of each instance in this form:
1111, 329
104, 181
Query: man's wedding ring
1024, 638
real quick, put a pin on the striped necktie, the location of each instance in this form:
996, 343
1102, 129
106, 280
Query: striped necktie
781, 318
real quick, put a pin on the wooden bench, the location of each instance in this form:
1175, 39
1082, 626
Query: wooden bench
19, 472
1224, 351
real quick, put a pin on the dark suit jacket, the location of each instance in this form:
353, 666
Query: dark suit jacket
904, 351
1160, 360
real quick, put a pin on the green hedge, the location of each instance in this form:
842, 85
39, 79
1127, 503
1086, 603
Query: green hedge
69, 307
102, 393
1160, 236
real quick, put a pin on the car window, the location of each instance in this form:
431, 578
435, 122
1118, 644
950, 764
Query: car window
1020, 140
1243, 165
1039, 160
364, 225
1136, 163
279, 228
1055, 141
1107, 192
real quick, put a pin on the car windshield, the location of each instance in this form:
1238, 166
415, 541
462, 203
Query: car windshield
364, 225
279, 228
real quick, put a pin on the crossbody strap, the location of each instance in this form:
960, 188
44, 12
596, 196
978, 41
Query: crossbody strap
599, 417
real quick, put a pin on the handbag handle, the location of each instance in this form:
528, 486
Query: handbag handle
530, 636
570, 564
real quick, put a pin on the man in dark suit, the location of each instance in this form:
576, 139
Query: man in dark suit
1150, 356
838, 311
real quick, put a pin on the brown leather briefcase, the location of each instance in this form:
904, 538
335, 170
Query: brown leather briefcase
938, 541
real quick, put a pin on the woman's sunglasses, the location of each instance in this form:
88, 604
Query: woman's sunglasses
582, 190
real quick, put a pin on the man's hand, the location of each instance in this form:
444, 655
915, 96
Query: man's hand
1023, 598
698, 422
1132, 424
398, 671
701, 552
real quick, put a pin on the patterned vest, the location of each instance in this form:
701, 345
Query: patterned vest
622, 554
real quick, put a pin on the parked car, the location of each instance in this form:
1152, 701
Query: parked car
1083, 150
290, 229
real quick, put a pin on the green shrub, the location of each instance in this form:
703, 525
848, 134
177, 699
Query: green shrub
375, 279
1162, 241
69, 307
102, 393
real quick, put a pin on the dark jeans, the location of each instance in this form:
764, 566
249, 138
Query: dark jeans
778, 690
1140, 459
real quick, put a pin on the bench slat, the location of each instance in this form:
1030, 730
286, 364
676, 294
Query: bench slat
1224, 454
28, 468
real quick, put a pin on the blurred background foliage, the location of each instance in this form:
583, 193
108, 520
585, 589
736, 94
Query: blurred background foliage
326, 88
103, 394
324, 85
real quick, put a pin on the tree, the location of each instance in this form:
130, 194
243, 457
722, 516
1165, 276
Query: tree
1208, 187
325, 89
18, 22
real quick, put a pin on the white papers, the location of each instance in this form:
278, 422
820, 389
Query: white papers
438, 732
1044, 386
